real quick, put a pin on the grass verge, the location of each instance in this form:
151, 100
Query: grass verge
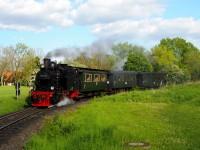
8, 101
167, 118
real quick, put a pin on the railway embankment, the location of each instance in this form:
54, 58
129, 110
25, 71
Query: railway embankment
166, 118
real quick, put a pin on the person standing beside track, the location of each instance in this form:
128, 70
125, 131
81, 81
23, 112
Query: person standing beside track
17, 89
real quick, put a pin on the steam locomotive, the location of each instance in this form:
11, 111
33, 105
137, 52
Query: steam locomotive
55, 81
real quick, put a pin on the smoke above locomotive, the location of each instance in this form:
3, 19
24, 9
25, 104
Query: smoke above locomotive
100, 50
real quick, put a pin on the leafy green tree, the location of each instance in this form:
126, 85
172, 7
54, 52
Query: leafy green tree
4, 63
172, 56
121, 50
20, 59
31, 64
163, 59
19, 53
192, 62
180, 48
137, 62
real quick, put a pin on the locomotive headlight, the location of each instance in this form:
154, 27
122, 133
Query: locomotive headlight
52, 87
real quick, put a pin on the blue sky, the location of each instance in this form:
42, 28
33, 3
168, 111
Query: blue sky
49, 25
55, 38
182, 8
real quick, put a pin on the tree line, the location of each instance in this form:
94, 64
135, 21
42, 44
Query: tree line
20, 60
177, 58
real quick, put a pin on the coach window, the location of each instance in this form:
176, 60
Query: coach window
88, 77
96, 77
103, 78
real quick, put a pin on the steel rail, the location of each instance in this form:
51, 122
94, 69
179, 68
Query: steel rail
16, 113
14, 121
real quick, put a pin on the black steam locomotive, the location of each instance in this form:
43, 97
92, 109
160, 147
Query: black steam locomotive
55, 81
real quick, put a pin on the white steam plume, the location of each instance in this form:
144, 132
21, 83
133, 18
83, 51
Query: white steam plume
66, 101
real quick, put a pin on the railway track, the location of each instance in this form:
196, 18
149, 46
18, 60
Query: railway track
14, 118
14, 124
17, 126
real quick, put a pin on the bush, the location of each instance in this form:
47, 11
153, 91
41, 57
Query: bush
177, 75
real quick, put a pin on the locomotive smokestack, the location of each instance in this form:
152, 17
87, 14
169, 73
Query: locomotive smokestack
47, 63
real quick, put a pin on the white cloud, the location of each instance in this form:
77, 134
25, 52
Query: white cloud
42, 14
98, 11
149, 29
111, 19
34, 15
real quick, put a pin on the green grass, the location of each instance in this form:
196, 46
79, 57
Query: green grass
8, 101
167, 119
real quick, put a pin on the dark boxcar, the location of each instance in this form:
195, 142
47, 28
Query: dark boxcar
122, 79
92, 80
150, 80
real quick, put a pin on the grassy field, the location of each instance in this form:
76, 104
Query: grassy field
8, 101
166, 119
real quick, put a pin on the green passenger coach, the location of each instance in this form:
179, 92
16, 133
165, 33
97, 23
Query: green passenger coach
93, 80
